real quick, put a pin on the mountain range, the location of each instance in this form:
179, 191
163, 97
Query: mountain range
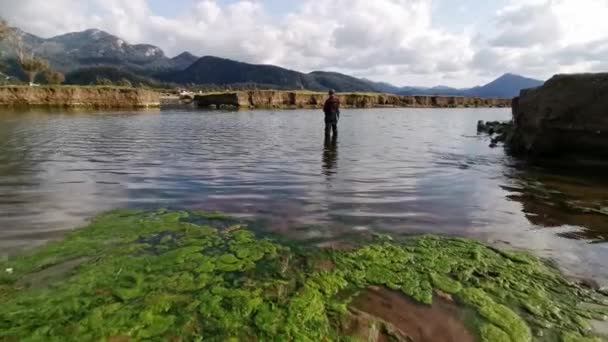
87, 55
71, 51
214, 70
507, 85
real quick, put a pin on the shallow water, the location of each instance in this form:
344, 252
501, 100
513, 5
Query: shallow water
391, 170
443, 321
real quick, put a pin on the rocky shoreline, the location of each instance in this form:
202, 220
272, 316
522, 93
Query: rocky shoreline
303, 99
78, 96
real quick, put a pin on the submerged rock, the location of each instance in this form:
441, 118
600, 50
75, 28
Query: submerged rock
497, 130
408, 320
567, 115
167, 275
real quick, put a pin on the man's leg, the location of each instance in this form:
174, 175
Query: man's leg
327, 129
334, 127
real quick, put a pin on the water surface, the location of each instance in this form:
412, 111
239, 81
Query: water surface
391, 170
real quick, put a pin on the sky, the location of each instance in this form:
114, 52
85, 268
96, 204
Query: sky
404, 42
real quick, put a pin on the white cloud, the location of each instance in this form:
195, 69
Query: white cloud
47, 17
393, 40
527, 25
544, 37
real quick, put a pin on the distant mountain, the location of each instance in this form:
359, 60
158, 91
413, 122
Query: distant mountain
221, 71
90, 75
339, 82
94, 47
438, 90
183, 60
384, 87
85, 55
82, 54
214, 70
507, 85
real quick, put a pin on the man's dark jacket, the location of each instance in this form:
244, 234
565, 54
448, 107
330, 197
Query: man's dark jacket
332, 109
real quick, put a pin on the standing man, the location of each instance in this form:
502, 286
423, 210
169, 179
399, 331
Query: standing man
332, 114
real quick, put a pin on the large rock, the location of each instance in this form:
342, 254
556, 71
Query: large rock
567, 115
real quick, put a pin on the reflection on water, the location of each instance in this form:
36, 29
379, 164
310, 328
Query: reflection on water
554, 198
330, 155
391, 170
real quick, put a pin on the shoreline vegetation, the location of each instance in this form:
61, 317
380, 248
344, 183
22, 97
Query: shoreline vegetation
69, 96
192, 275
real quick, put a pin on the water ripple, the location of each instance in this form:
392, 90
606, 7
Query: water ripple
397, 170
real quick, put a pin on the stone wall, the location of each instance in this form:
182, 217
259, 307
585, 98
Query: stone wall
288, 99
73, 96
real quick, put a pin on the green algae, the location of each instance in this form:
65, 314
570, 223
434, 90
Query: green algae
569, 337
193, 275
445, 284
498, 315
490, 332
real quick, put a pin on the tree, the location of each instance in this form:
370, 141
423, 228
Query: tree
32, 65
102, 81
124, 83
54, 77
29, 63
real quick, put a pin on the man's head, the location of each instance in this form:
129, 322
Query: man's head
332, 92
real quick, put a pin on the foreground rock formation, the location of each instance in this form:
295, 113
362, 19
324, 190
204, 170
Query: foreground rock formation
188, 276
302, 99
568, 115
68, 96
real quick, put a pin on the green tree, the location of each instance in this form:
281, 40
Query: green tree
32, 65
102, 81
54, 77
124, 83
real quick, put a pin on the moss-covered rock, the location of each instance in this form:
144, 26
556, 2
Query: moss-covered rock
498, 315
193, 275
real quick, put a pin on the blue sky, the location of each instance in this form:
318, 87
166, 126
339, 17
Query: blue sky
405, 42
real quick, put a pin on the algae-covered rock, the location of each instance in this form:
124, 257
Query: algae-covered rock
578, 338
492, 333
445, 284
166, 275
499, 315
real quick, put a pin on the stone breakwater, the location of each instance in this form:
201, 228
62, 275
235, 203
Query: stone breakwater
294, 99
568, 115
67, 96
